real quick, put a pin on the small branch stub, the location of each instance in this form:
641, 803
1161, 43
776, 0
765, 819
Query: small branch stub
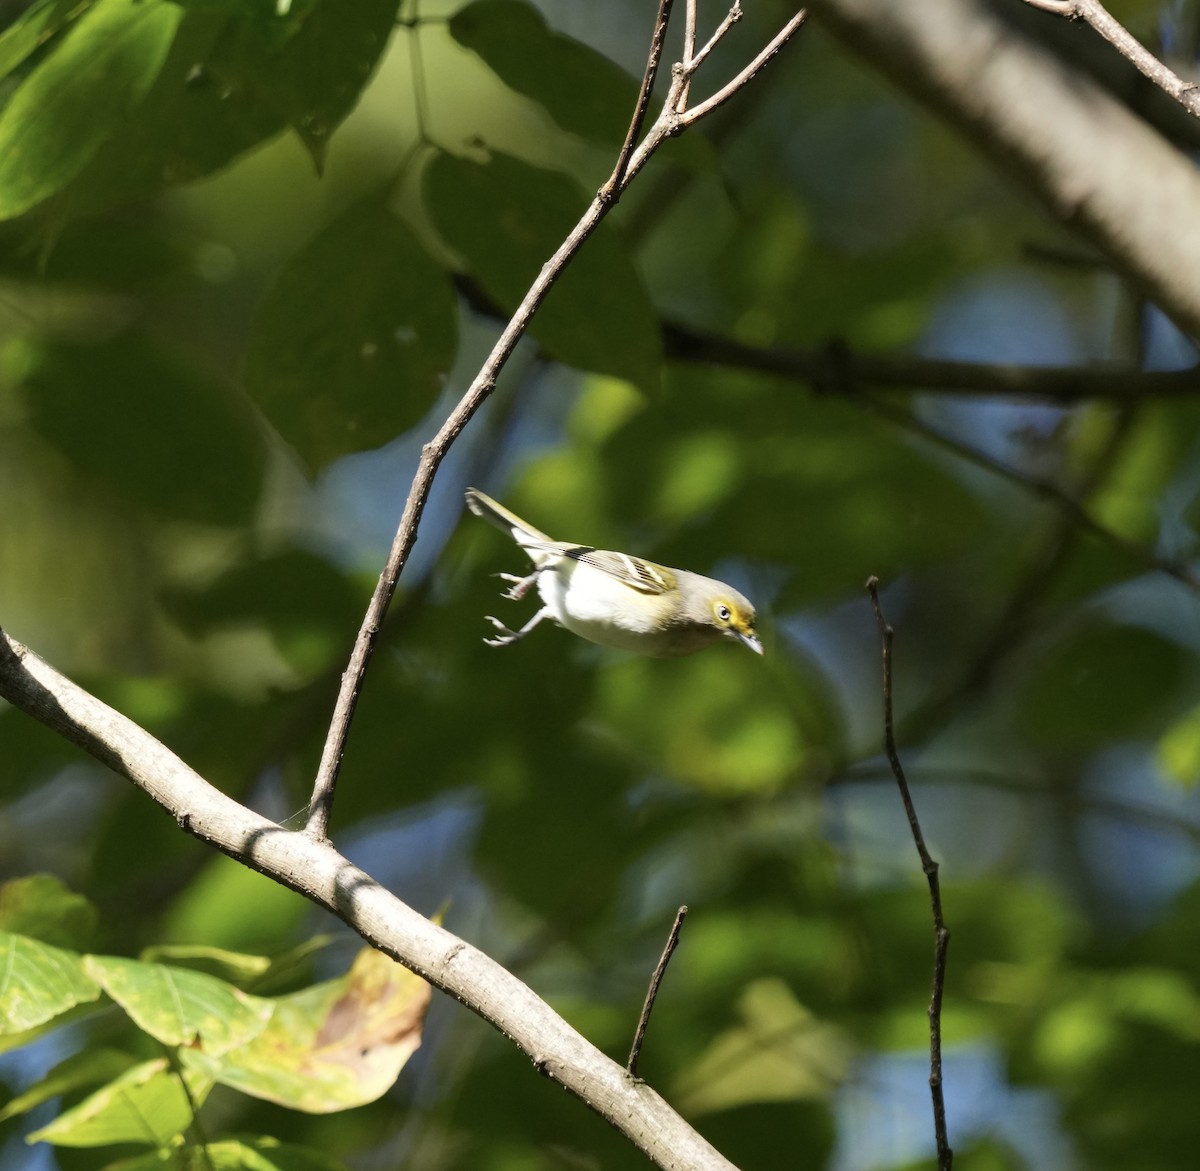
652, 992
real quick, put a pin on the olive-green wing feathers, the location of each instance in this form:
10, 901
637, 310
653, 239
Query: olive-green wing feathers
641, 575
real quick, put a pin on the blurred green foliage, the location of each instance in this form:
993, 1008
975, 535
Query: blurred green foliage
248, 251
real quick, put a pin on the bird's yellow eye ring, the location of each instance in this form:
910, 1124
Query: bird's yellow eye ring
724, 614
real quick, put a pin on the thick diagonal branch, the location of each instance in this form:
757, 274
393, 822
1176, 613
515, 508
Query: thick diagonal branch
1093, 163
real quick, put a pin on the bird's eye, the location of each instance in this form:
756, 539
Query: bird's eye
724, 613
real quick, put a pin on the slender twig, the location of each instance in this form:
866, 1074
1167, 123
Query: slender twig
731, 18
1093, 13
612, 189
689, 34
652, 992
748, 74
666, 126
941, 933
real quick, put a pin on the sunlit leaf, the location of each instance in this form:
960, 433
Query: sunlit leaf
181, 1007
39, 983
40, 21
42, 907
778, 1051
1179, 749
251, 1154
68, 106
147, 1104
89, 1067
235, 76
332, 1046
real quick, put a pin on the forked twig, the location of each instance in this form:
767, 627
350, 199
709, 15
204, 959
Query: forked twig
669, 123
1093, 13
941, 933
616, 181
652, 992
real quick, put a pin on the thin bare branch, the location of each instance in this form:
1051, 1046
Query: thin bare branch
1093, 13
731, 18
748, 74
652, 992
689, 33
612, 189
941, 933
432, 454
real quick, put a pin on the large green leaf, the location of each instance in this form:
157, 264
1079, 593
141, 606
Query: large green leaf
68, 106
88, 1067
777, 1051
145, 425
147, 1104
235, 76
181, 1007
353, 343
249, 1154
33, 28
43, 907
582, 90
39, 983
506, 218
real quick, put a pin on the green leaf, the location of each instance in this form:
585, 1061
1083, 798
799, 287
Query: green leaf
331, 1046
351, 346
237, 967
1179, 749
236, 76
63, 112
33, 28
506, 218
147, 427
44, 908
251, 1154
180, 1007
39, 983
778, 1051
88, 1068
147, 1104
582, 90
690, 721
313, 63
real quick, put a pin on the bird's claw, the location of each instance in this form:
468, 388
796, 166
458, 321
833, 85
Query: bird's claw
520, 585
506, 637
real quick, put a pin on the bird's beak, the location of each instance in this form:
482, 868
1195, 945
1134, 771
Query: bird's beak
751, 640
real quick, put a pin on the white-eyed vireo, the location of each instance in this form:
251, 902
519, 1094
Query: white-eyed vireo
617, 600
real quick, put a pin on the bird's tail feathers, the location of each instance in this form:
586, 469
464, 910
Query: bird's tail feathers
508, 522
